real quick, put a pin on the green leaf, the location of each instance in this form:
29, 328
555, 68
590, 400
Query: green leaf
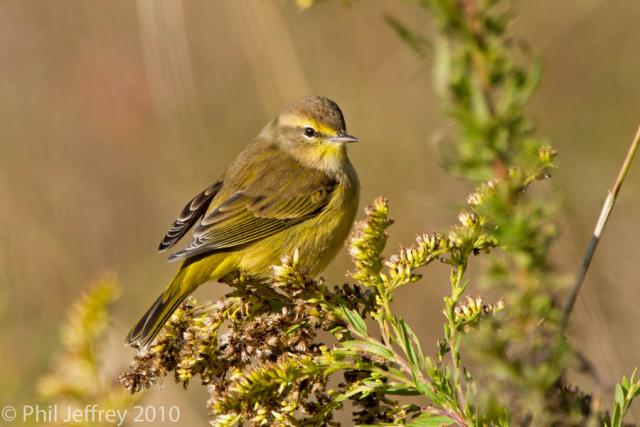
415, 41
635, 391
402, 390
619, 395
415, 356
355, 320
430, 420
370, 347
356, 390
625, 383
635, 385
417, 347
616, 418
293, 328
407, 344
441, 65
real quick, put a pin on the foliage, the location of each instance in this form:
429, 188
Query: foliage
294, 351
626, 391
77, 378
267, 367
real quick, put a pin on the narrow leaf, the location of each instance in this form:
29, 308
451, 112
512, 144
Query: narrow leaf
354, 319
370, 347
417, 348
619, 395
406, 342
430, 420
413, 40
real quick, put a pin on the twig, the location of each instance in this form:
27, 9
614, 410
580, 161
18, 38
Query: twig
597, 232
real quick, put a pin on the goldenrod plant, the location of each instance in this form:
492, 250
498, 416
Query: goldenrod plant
296, 350
77, 380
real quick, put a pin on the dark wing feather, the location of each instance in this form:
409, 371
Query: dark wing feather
246, 217
192, 212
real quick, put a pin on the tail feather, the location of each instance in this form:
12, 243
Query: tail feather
154, 319
192, 273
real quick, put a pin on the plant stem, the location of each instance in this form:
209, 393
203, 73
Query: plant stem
454, 337
597, 232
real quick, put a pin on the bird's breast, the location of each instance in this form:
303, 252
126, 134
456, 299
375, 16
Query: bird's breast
320, 239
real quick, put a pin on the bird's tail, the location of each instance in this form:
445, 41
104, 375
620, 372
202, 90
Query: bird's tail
159, 313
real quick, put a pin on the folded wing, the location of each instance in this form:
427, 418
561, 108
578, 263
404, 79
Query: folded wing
192, 212
259, 210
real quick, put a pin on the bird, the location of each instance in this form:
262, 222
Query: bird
292, 190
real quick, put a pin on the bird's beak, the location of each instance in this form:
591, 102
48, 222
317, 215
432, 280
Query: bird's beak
341, 139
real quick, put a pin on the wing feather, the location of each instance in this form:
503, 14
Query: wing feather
192, 212
248, 215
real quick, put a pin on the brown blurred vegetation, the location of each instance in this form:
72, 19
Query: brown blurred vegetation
113, 114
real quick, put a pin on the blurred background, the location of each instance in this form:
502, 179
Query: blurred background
113, 114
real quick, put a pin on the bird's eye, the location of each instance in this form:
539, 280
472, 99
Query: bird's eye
309, 132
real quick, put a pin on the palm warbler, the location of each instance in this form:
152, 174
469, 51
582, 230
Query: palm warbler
292, 188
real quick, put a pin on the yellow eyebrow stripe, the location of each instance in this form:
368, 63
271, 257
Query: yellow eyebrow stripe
301, 122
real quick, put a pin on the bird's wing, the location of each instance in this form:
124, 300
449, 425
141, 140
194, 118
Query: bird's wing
259, 210
192, 212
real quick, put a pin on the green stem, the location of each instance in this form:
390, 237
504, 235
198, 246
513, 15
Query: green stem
453, 336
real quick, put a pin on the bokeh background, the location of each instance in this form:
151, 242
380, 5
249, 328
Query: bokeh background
114, 113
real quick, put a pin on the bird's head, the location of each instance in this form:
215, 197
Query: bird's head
312, 129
